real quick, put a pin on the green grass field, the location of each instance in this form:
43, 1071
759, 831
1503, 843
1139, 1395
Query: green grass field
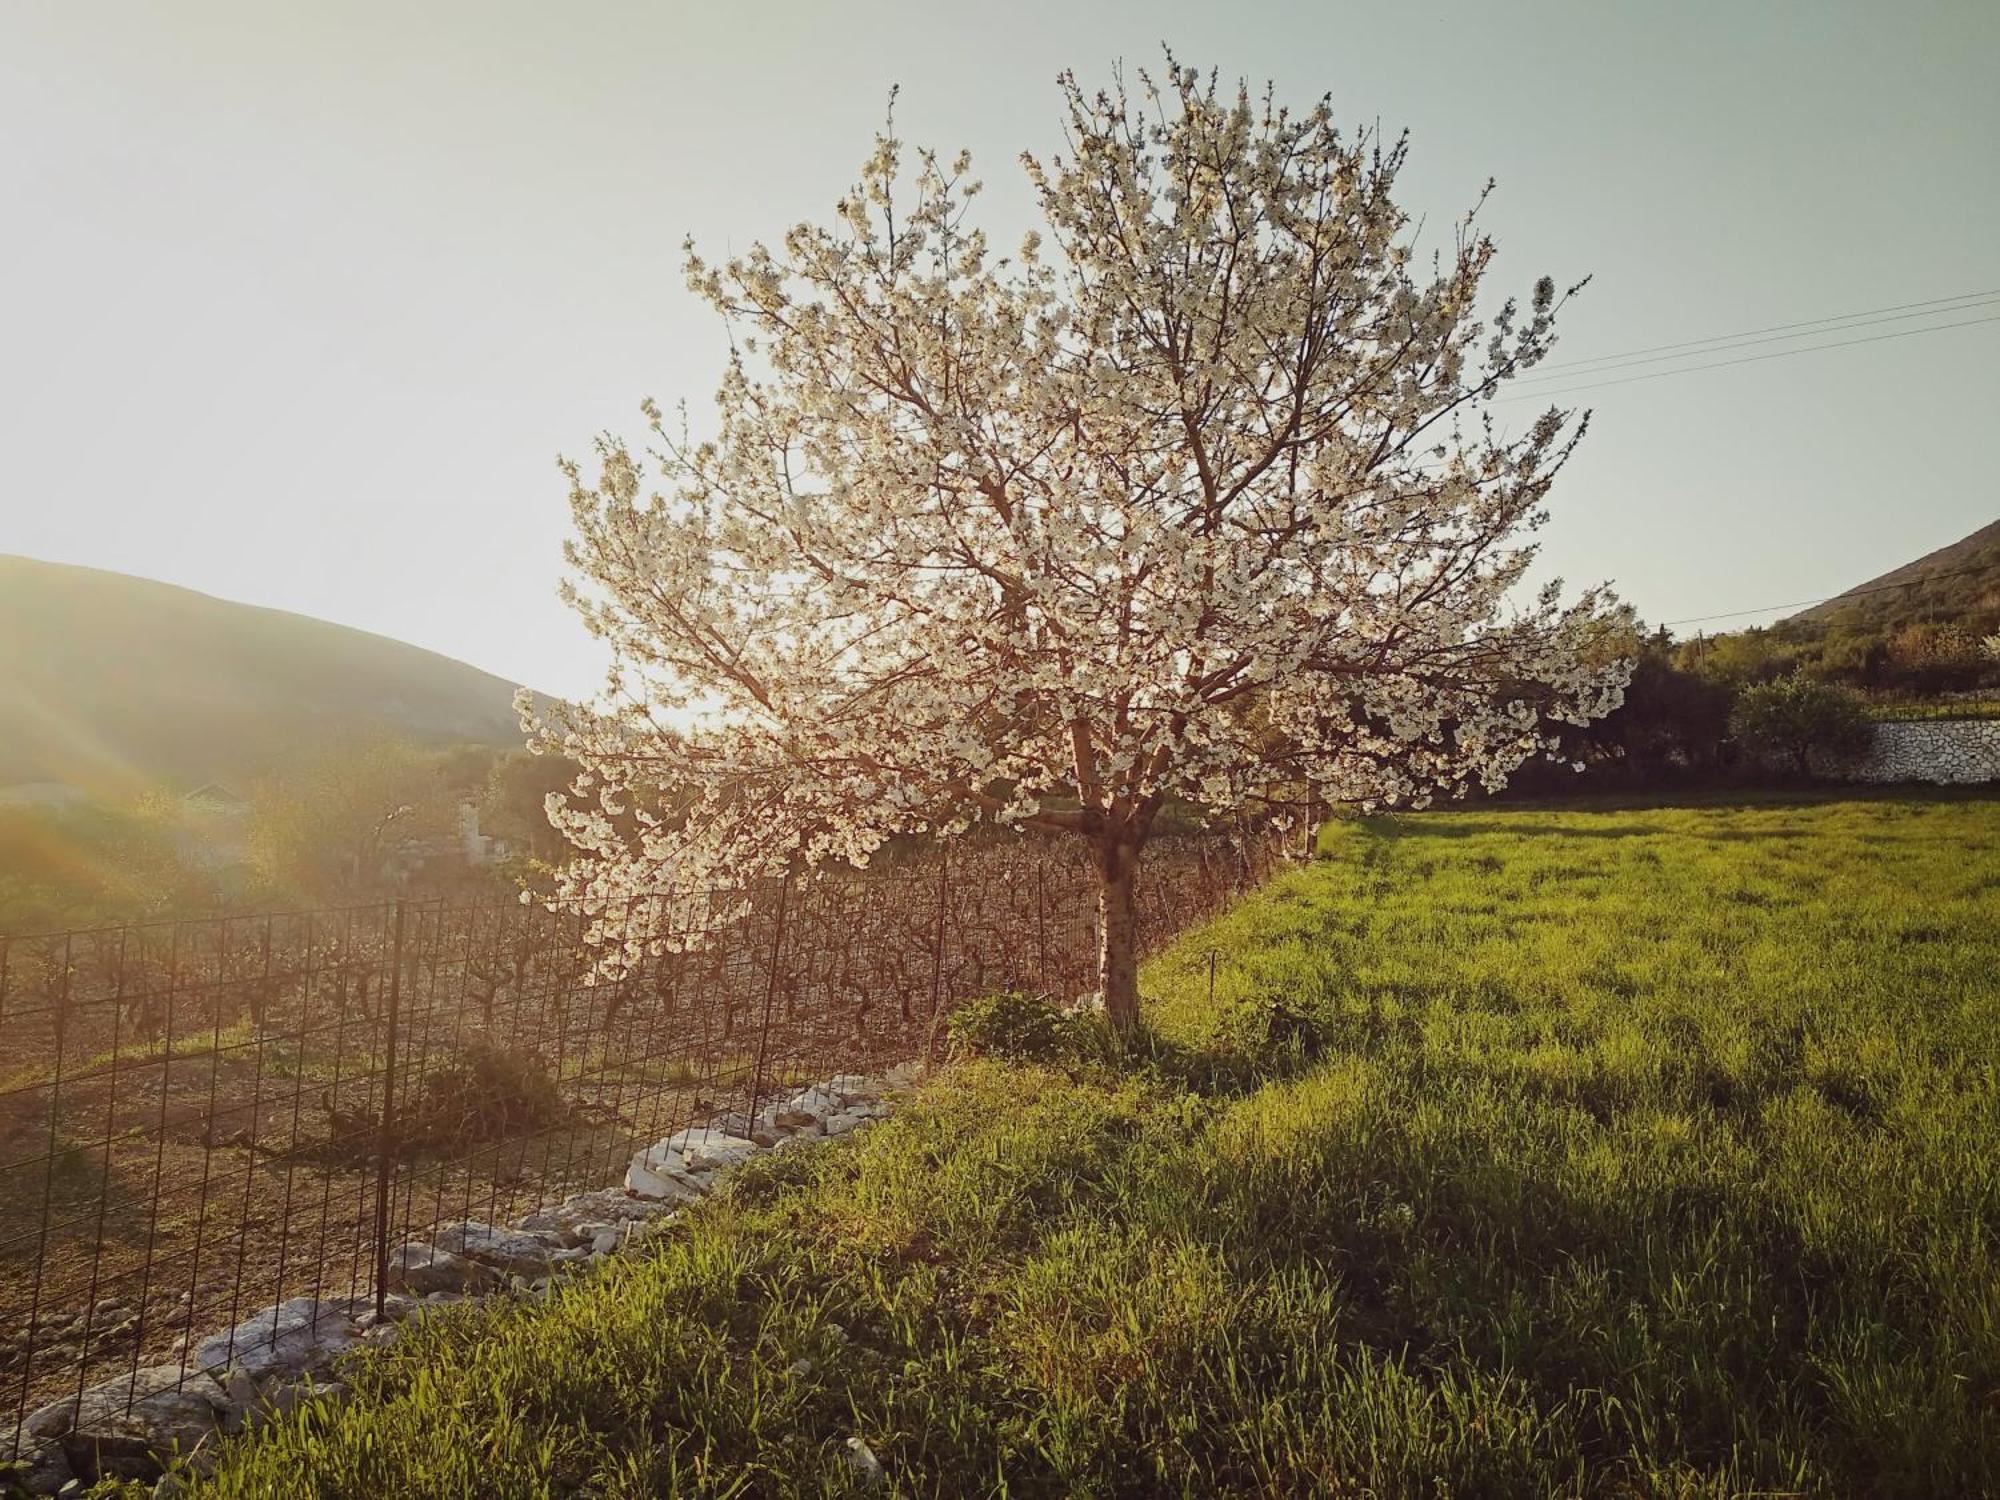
1521, 1152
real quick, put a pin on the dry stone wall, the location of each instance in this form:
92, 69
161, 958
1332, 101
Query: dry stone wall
1940, 751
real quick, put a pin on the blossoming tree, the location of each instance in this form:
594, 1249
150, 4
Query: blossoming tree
1198, 497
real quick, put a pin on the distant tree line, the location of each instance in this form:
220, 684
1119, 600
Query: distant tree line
1786, 701
1917, 660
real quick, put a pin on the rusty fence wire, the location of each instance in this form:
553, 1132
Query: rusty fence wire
202, 1118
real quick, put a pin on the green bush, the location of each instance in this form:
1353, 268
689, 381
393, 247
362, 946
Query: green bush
1800, 722
1015, 1027
482, 1093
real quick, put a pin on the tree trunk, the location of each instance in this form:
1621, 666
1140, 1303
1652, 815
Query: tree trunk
1117, 932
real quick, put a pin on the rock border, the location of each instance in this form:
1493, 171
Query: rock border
135, 1425
1942, 752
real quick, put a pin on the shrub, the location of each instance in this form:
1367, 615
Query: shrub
483, 1093
1796, 719
1016, 1027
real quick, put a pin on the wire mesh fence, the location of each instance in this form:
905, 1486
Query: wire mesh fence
201, 1119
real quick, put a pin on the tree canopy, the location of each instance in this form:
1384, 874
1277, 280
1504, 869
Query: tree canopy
1198, 495
1796, 719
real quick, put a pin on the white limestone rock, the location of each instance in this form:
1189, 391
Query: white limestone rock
295, 1336
663, 1175
817, 1102
395, 1308
427, 1271
861, 1459
780, 1120
128, 1427
707, 1149
44, 1467
601, 1206
515, 1252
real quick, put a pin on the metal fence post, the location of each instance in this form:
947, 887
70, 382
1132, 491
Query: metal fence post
385, 1145
770, 995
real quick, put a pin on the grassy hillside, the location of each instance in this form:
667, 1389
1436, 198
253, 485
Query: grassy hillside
112, 681
1959, 584
1605, 1153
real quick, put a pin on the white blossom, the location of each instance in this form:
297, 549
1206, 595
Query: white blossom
1199, 497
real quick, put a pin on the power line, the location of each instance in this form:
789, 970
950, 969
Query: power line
1724, 338
1746, 343
1748, 359
1886, 588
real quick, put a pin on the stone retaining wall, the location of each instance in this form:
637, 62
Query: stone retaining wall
1941, 751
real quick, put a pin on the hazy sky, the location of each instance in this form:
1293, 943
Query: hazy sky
298, 302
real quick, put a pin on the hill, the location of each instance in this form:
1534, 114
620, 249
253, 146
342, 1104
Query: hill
112, 681
1958, 584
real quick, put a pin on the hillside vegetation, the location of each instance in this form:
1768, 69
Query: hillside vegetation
1914, 632
1584, 1153
113, 682
1960, 582
1921, 641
